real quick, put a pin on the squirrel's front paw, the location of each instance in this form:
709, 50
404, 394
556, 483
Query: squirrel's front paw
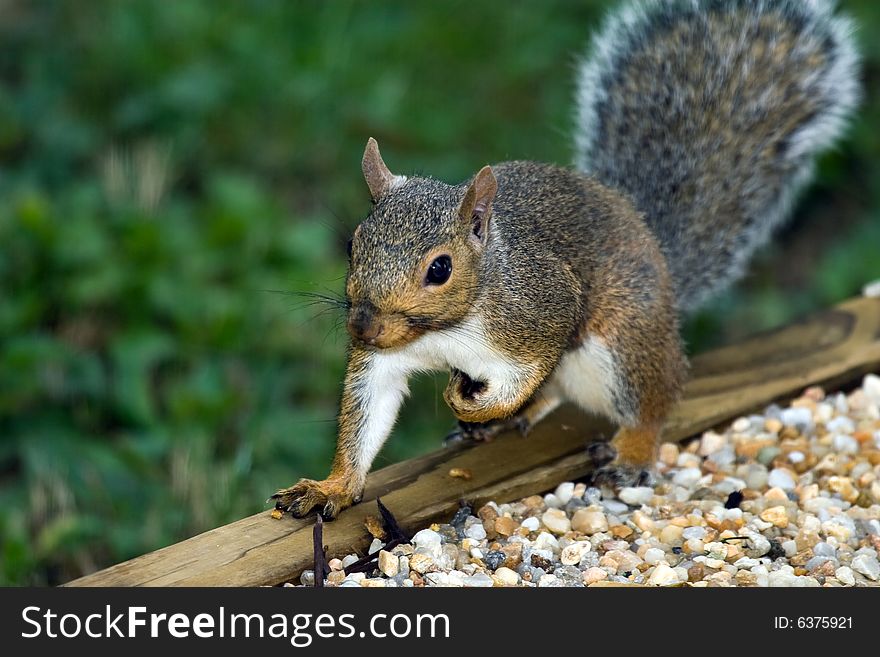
331, 495
470, 399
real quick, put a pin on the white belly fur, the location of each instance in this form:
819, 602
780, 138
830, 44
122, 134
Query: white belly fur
586, 377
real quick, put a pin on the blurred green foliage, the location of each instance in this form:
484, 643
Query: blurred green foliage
171, 171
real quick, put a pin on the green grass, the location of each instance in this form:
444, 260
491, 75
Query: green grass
171, 171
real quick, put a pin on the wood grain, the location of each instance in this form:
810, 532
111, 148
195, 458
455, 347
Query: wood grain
831, 348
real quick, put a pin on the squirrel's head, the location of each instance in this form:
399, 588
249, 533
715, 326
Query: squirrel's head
414, 262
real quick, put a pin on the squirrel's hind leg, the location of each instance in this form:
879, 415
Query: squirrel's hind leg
628, 459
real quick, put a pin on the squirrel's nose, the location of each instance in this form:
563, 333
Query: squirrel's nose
363, 325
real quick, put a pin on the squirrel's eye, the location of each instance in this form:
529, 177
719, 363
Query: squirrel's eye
439, 270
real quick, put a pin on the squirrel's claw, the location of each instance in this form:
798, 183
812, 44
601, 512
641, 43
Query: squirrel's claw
609, 474
486, 431
300, 499
620, 476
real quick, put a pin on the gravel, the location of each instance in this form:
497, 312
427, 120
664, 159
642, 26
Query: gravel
807, 514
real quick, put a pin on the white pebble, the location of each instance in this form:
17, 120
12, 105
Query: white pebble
654, 556
841, 424
797, 417
741, 425
476, 532
564, 492
507, 576
663, 575
780, 478
845, 575
844, 444
867, 566
687, 477
532, 524
636, 496
693, 532
552, 501
479, 580
615, 507
871, 385
572, 554
429, 540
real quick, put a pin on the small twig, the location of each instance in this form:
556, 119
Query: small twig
734, 538
367, 563
321, 567
395, 532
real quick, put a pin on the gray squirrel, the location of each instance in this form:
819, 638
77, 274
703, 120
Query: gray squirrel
532, 284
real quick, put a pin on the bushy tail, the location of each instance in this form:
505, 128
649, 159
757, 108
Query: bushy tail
708, 113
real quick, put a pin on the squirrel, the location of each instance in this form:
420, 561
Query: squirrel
532, 284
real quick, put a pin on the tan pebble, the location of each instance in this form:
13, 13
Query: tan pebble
806, 540
669, 454
825, 569
772, 425
607, 561
594, 574
389, 564
696, 521
775, 495
335, 577
696, 573
373, 583
421, 563
671, 534
643, 521
807, 492
487, 512
589, 521
734, 553
800, 571
680, 521
277, 514
814, 393
335, 564
513, 554
746, 578
506, 576
863, 436
844, 487
461, 473
534, 502
750, 448
416, 579
775, 515
556, 521
506, 526
801, 557
621, 531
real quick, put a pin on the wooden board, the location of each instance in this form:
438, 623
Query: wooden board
832, 348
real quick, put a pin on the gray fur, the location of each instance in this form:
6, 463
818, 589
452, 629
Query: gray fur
709, 114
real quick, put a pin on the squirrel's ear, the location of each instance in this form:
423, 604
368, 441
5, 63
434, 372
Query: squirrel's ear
379, 179
477, 205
